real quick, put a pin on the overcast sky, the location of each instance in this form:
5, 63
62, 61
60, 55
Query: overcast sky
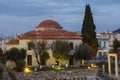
24, 15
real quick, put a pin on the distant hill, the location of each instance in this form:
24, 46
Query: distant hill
116, 31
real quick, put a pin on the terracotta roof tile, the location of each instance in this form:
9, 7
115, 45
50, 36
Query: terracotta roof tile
13, 41
50, 33
49, 23
29, 34
50, 29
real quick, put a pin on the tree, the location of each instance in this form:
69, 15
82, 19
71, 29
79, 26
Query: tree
18, 56
45, 55
116, 48
88, 31
21, 60
1, 61
40, 50
2, 58
12, 54
116, 45
60, 50
82, 52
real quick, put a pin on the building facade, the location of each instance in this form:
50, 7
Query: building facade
103, 50
48, 30
105, 41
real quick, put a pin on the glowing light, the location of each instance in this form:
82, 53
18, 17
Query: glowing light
66, 65
53, 66
89, 67
27, 69
58, 68
93, 65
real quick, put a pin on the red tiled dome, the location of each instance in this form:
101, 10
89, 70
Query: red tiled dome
50, 29
49, 24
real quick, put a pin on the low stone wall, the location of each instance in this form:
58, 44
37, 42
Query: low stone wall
78, 74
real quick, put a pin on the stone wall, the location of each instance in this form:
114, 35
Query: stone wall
77, 74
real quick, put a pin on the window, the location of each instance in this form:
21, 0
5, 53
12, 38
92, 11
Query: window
100, 54
100, 45
105, 54
71, 46
29, 60
104, 44
29, 46
109, 37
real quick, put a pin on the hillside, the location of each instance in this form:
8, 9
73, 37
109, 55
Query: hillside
116, 31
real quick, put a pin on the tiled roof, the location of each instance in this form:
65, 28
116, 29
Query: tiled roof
50, 29
49, 23
13, 41
50, 33
106, 33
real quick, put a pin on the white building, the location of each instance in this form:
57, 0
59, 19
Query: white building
103, 50
3, 41
105, 40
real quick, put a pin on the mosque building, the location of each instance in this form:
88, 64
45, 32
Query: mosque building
48, 30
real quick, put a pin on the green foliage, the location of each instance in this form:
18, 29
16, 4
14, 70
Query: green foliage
45, 55
88, 31
12, 54
116, 45
22, 54
15, 54
40, 50
2, 57
61, 50
1, 69
1, 74
82, 52
18, 56
116, 48
20, 65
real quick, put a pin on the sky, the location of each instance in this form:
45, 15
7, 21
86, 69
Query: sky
20, 16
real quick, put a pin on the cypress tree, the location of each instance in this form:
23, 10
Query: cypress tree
116, 45
88, 31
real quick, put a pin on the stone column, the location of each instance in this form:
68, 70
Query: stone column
116, 66
109, 66
103, 69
